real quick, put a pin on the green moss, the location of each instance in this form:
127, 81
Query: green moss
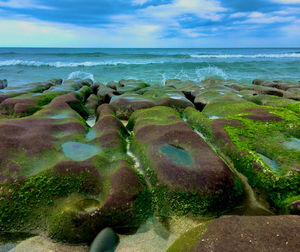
80, 109
189, 239
252, 138
45, 99
171, 202
19, 200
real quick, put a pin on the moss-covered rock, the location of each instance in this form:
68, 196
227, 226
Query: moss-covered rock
127, 103
261, 142
58, 180
186, 174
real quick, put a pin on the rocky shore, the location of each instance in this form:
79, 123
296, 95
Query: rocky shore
208, 166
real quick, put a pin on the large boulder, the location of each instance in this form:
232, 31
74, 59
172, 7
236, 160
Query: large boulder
62, 179
262, 142
127, 103
243, 233
187, 174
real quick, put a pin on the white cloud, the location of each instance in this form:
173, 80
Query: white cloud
238, 15
140, 2
262, 18
205, 9
23, 4
33, 32
287, 1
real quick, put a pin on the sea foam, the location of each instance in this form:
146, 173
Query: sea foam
226, 56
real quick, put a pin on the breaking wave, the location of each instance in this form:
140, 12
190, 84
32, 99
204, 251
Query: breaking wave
226, 56
81, 75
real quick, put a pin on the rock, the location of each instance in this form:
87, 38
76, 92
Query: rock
3, 84
295, 207
105, 93
252, 137
92, 104
80, 182
106, 240
243, 233
179, 163
130, 86
84, 92
127, 103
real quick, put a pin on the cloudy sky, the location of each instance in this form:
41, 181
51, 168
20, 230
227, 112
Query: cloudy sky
150, 23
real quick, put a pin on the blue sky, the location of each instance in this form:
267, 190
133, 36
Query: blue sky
150, 23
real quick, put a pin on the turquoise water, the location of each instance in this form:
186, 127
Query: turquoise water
271, 163
79, 151
23, 65
177, 155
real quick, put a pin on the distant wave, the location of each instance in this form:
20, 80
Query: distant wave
7, 53
226, 56
58, 64
95, 54
100, 54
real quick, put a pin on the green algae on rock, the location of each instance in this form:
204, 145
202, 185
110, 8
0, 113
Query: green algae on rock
199, 184
253, 136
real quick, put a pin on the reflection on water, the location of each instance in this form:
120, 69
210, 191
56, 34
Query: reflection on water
271, 163
292, 144
79, 151
177, 155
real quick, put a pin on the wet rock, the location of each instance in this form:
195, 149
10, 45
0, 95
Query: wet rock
106, 240
79, 185
252, 137
84, 92
179, 161
243, 233
127, 103
105, 93
92, 103
3, 84
130, 86
295, 207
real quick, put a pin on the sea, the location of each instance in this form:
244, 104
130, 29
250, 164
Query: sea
25, 65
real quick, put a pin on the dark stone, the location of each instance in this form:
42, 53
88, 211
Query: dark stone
106, 241
259, 233
3, 84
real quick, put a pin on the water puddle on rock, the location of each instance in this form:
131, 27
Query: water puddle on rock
60, 116
292, 144
91, 135
213, 117
251, 206
79, 151
177, 155
271, 163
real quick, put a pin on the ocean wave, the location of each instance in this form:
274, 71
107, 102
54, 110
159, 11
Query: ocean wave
58, 64
81, 75
211, 72
226, 56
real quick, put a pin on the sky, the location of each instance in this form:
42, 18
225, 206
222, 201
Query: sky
150, 23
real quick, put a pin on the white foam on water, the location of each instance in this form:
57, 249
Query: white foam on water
81, 75
226, 56
210, 72
59, 64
